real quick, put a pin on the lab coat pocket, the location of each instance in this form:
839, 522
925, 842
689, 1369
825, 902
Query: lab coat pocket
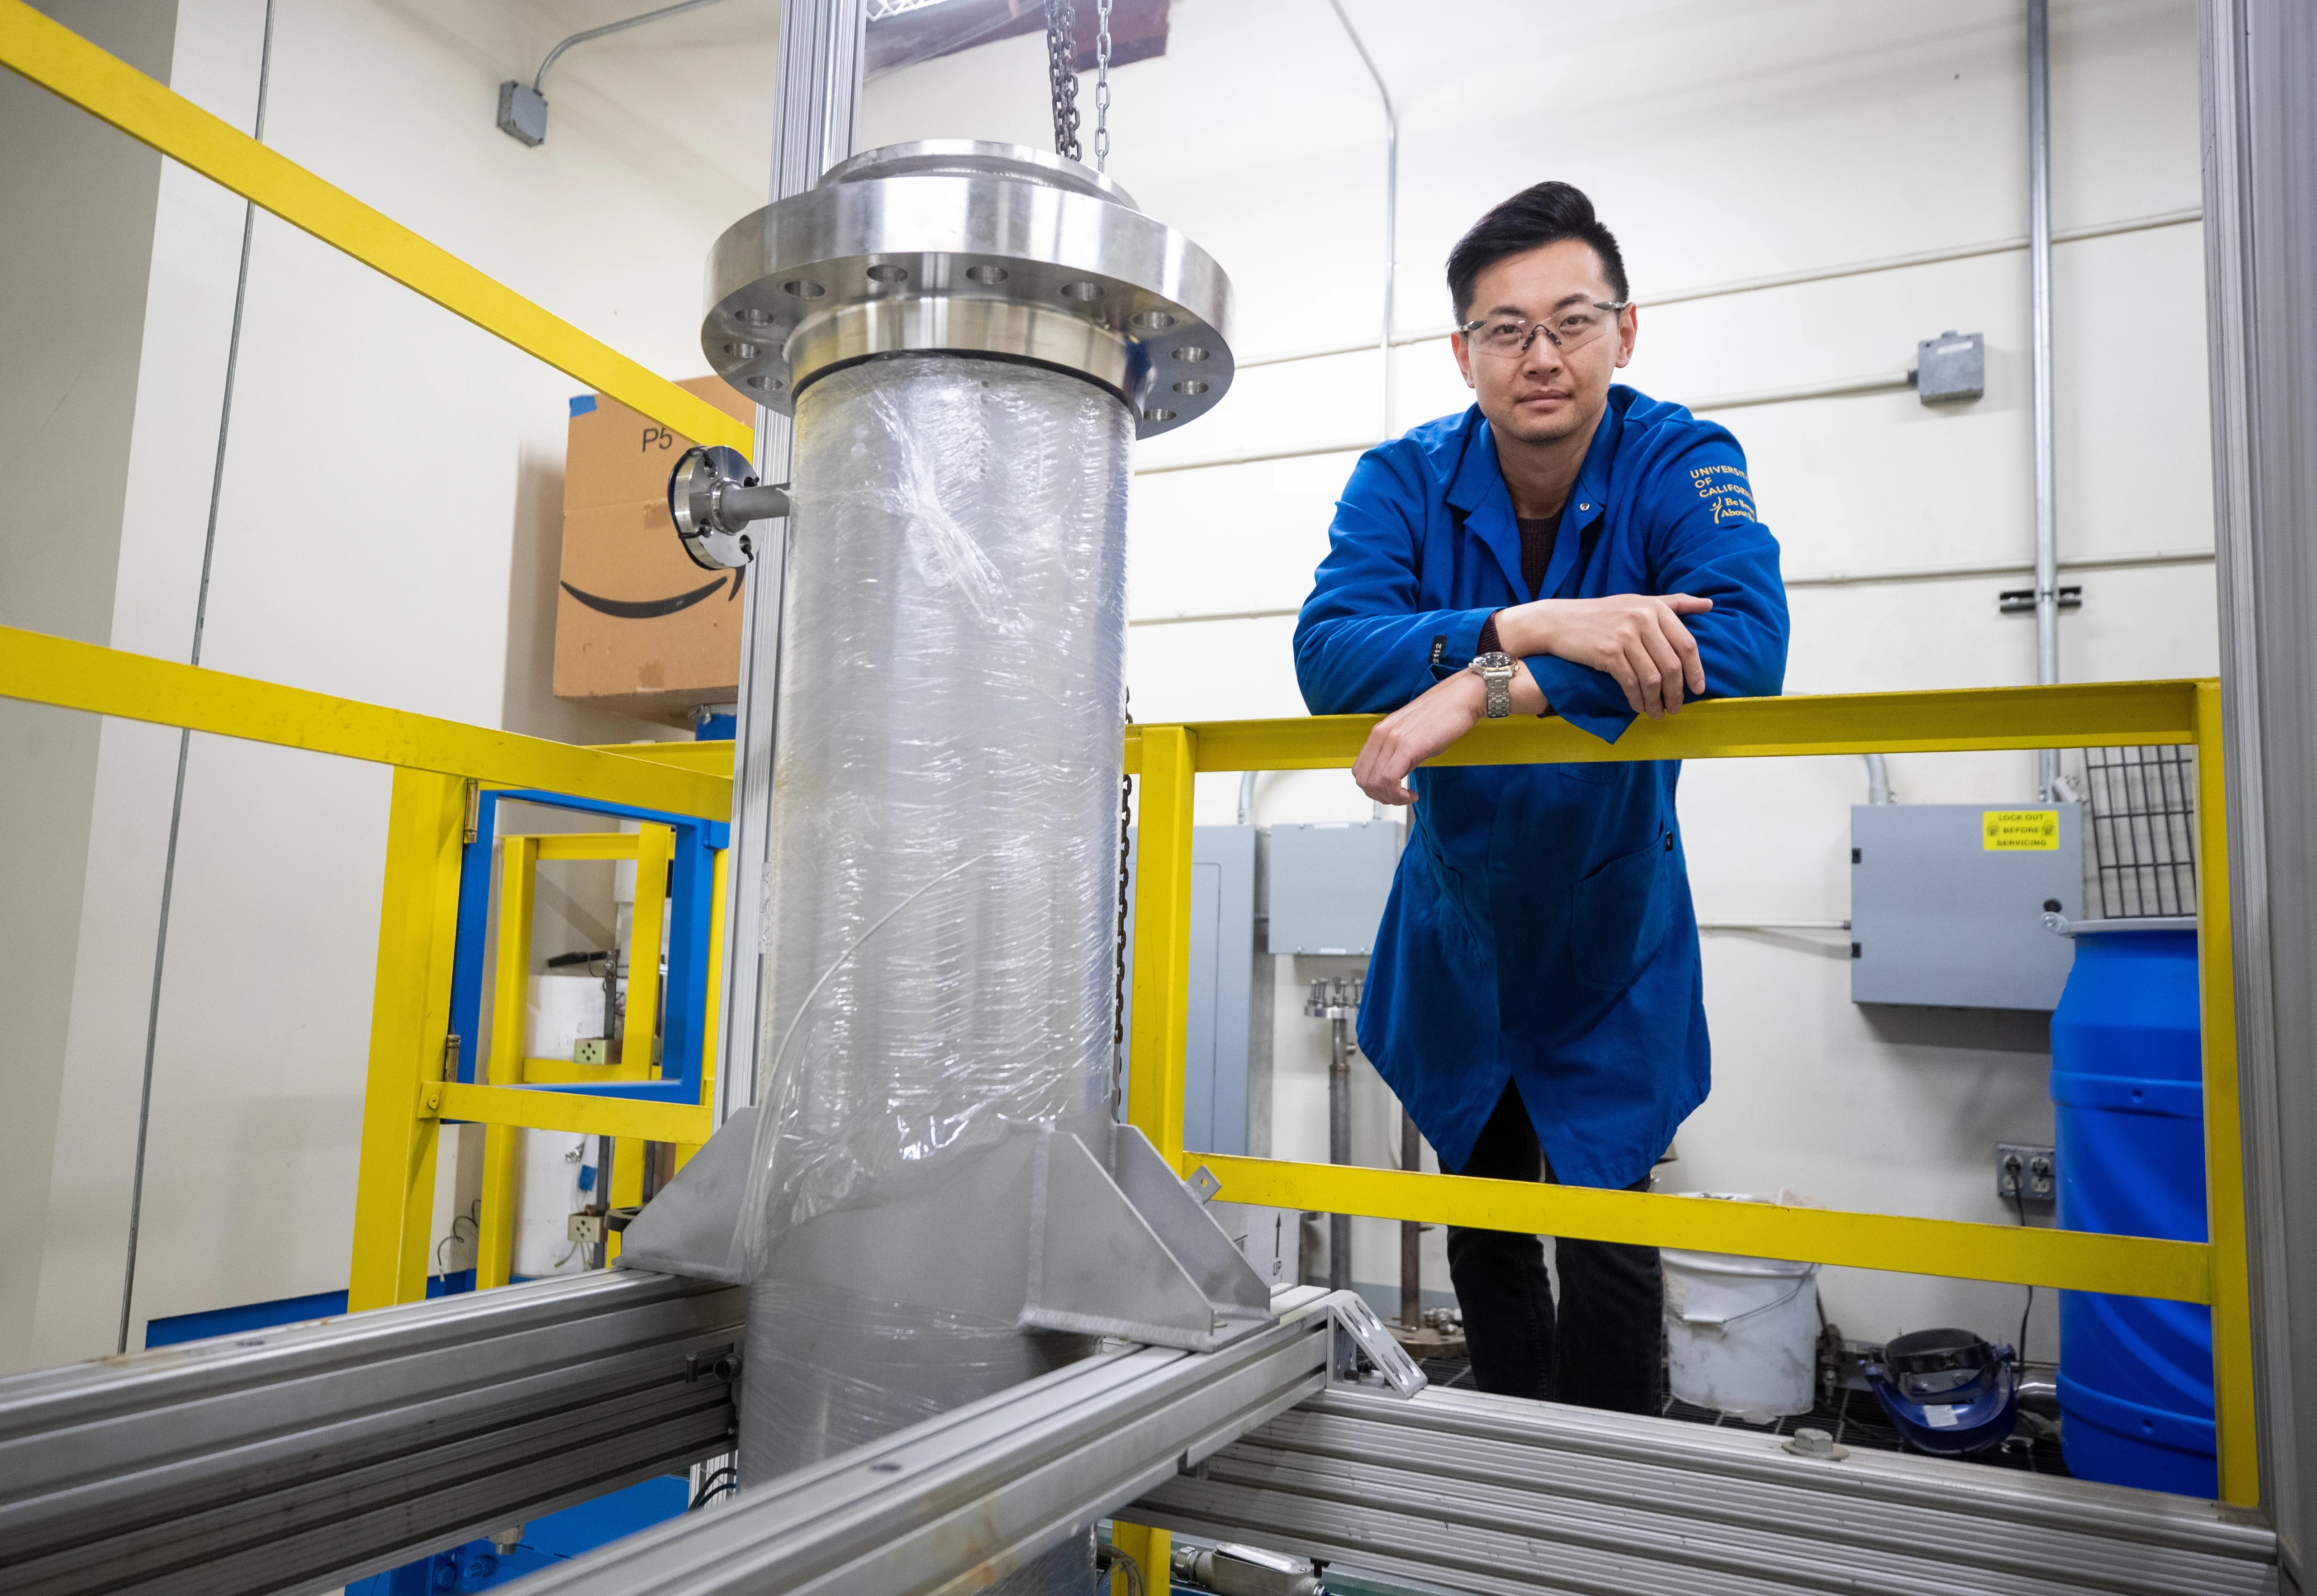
1618, 916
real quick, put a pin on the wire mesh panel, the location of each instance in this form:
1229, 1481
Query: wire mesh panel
2143, 830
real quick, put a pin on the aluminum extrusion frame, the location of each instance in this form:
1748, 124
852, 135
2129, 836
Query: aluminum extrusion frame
301, 1457
955, 1502
1460, 1492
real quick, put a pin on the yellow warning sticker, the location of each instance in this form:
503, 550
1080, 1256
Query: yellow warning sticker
2019, 830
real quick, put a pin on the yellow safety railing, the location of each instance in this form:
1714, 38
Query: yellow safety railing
437, 762
440, 766
2213, 1272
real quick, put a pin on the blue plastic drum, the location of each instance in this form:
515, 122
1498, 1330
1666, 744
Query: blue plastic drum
2135, 1375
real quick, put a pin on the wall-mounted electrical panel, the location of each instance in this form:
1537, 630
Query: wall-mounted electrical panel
1329, 883
1947, 902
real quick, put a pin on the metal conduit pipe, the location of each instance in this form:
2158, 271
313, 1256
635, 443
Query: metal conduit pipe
969, 337
2039, 280
1390, 203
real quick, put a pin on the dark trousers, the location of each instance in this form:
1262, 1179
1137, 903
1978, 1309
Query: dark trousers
1603, 1350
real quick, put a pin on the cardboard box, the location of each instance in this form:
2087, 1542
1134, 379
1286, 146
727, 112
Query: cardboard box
638, 628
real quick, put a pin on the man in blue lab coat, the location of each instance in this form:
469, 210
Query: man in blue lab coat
1570, 547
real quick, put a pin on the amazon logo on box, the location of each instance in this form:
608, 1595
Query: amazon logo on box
637, 626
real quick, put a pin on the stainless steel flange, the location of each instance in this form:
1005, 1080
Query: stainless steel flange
970, 248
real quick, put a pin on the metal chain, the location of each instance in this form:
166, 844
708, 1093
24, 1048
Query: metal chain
1062, 73
1118, 942
1102, 85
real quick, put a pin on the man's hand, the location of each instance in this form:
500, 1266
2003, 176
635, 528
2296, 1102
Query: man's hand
1412, 734
1638, 638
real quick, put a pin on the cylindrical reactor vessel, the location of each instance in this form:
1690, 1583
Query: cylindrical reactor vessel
969, 336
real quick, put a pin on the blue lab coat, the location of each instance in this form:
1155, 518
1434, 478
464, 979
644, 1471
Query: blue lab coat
1540, 927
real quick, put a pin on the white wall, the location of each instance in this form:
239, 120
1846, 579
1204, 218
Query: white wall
1722, 143
389, 527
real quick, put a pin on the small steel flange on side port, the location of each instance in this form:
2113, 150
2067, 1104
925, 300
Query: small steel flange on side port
715, 498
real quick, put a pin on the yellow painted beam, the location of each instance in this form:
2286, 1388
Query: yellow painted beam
44, 669
410, 1023
710, 757
70, 68
2074, 1260
2087, 715
510, 1023
1153, 1551
711, 1013
570, 1111
2234, 1404
1162, 937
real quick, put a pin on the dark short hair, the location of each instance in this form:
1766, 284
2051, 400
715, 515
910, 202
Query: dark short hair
1531, 219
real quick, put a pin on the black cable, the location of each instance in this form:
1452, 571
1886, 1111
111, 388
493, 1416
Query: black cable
709, 1489
2019, 1199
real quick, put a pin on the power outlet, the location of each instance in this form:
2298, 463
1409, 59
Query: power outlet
2028, 1173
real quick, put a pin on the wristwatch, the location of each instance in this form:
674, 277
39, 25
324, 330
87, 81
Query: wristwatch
1497, 671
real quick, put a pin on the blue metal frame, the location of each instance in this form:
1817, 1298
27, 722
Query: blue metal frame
691, 904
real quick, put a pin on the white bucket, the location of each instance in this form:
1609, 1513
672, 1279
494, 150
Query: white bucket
1741, 1334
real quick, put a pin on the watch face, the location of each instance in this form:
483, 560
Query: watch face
1498, 662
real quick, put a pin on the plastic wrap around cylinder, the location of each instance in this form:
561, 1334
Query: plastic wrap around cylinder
942, 896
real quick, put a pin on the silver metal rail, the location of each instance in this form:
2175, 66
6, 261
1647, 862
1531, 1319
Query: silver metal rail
299, 1459
959, 1500
1460, 1492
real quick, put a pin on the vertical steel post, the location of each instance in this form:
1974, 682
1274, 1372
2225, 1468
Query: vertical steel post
1162, 939
2224, 1196
1339, 1145
1411, 1234
639, 1033
510, 1010
410, 1023
2258, 57
817, 90
2039, 297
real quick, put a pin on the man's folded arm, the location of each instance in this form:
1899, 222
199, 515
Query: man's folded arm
1709, 546
1362, 645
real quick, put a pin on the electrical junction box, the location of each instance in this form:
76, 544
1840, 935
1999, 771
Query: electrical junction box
1947, 902
1951, 368
1328, 885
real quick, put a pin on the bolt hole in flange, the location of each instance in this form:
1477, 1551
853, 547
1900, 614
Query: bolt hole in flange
837, 273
